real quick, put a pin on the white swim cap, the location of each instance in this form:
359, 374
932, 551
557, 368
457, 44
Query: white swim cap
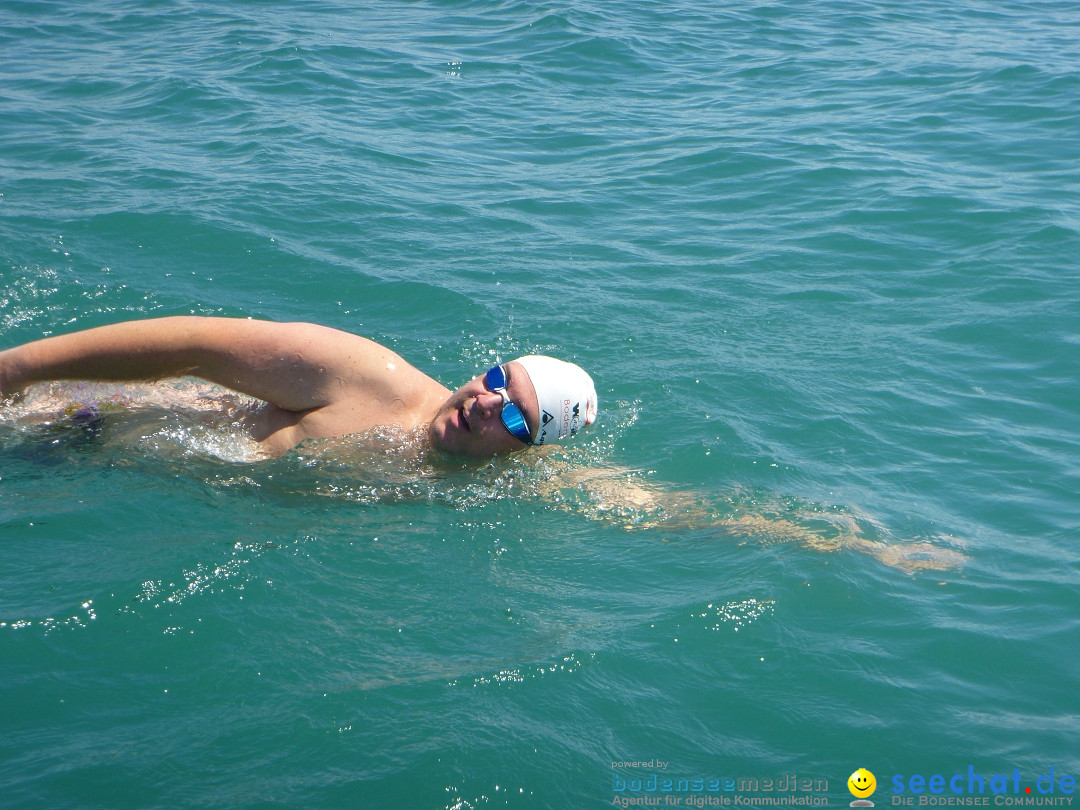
565, 393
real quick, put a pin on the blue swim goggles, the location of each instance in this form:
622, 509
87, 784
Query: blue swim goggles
512, 417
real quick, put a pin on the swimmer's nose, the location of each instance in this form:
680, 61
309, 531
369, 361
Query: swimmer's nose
488, 404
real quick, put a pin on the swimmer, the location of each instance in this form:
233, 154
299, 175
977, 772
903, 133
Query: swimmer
315, 382
319, 383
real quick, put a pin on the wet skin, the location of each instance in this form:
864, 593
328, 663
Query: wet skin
469, 423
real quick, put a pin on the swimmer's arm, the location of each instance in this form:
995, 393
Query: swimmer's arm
296, 366
624, 496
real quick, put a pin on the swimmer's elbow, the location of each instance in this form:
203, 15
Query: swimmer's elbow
12, 374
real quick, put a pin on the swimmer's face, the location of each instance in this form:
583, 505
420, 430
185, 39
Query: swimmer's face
861, 783
469, 423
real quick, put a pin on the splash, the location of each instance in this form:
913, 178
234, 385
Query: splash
185, 418
195, 426
564, 665
735, 614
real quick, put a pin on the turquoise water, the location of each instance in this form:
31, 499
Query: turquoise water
822, 262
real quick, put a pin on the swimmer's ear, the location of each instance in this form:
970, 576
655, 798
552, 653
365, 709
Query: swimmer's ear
590, 411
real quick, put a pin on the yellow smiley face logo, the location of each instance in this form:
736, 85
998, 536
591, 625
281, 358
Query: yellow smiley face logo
861, 783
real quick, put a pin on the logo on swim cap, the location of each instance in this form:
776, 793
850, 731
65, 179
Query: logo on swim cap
562, 389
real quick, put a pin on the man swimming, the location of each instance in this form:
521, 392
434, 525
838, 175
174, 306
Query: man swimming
318, 382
